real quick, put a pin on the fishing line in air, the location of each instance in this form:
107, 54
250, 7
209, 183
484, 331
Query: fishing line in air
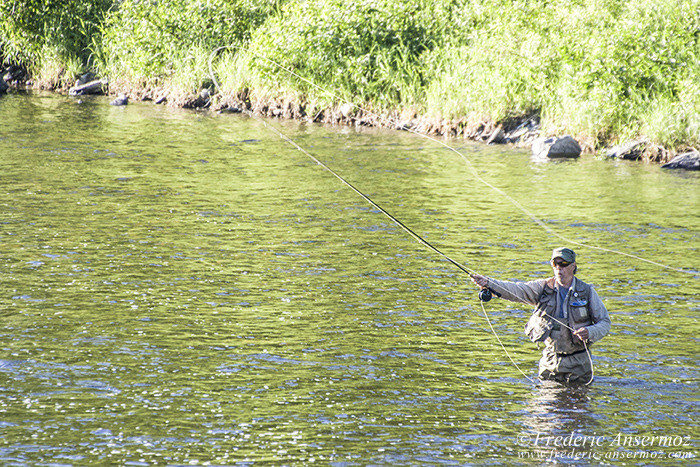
466, 160
420, 239
408, 230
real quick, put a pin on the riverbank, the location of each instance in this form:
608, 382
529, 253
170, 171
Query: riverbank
520, 132
614, 74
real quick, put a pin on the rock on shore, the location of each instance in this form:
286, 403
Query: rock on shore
93, 87
688, 161
631, 150
554, 148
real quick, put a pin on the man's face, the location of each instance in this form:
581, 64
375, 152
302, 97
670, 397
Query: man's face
563, 271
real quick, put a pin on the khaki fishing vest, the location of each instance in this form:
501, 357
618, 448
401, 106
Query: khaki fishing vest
578, 312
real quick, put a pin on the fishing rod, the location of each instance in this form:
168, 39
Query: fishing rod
475, 173
485, 294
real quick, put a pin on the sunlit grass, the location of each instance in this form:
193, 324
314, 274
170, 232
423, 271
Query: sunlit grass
602, 70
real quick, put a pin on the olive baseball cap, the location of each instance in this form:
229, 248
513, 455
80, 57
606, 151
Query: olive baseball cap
566, 254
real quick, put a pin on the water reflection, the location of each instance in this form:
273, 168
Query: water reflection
559, 424
556, 409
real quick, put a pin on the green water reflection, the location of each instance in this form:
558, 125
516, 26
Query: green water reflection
190, 289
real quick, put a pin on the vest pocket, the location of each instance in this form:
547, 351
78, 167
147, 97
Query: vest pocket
580, 314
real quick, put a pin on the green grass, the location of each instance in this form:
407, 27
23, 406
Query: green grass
51, 38
602, 70
168, 43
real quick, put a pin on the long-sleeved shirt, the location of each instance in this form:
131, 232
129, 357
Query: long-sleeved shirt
530, 293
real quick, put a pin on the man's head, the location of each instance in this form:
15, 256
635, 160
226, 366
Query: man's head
565, 254
564, 265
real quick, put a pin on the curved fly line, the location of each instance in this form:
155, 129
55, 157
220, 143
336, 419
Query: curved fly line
408, 230
466, 160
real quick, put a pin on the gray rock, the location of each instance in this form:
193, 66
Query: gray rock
688, 161
14, 74
3, 86
496, 137
121, 99
86, 78
93, 87
631, 150
231, 109
554, 148
524, 132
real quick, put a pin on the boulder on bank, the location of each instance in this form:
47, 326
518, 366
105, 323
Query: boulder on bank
524, 132
556, 148
688, 161
14, 75
86, 78
631, 150
93, 87
3, 86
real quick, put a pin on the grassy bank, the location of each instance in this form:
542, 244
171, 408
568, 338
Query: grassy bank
605, 71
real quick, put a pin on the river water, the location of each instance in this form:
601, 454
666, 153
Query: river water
190, 289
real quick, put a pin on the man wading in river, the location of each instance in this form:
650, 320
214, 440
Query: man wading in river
568, 314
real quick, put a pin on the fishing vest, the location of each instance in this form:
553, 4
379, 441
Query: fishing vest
578, 316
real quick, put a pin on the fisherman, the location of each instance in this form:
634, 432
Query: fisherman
569, 316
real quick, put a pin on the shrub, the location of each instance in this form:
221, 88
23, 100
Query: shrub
366, 50
147, 42
49, 34
609, 69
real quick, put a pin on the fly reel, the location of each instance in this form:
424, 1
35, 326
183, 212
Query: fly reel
486, 294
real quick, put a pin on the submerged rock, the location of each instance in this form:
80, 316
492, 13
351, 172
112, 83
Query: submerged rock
122, 99
688, 161
554, 148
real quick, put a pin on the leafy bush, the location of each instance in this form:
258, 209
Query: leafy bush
366, 50
146, 41
601, 69
605, 68
36, 31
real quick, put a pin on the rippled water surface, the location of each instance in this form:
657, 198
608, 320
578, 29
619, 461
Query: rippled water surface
182, 288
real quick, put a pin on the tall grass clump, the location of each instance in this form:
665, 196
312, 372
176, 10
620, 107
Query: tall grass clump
603, 69
167, 43
366, 51
50, 38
